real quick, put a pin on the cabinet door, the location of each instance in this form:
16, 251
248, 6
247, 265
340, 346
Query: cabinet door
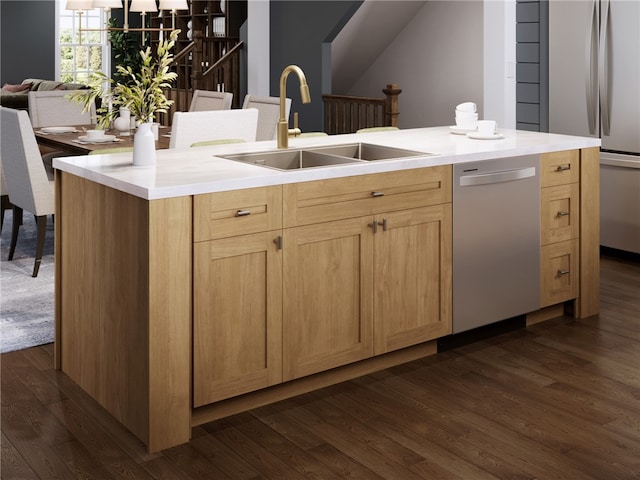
237, 326
560, 210
559, 273
412, 277
327, 288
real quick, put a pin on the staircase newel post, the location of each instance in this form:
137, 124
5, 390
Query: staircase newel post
196, 62
391, 105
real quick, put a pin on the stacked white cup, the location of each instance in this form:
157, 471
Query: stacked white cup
466, 116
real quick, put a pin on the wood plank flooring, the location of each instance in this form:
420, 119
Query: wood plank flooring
558, 400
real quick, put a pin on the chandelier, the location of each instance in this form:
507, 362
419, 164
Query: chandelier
141, 6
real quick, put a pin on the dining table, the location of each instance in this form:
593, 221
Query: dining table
74, 140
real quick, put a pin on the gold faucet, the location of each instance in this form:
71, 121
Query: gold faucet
283, 123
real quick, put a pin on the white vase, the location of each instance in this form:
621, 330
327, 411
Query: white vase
144, 146
123, 122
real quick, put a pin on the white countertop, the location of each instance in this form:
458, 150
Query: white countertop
198, 170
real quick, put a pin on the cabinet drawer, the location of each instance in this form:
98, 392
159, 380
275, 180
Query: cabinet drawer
238, 212
559, 274
348, 197
560, 213
559, 168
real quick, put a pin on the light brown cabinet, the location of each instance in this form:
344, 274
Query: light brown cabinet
371, 284
237, 293
274, 304
560, 227
412, 277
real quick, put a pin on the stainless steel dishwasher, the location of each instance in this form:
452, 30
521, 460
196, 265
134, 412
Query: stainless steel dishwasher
496, 240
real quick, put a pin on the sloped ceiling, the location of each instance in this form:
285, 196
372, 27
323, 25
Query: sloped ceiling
367, 34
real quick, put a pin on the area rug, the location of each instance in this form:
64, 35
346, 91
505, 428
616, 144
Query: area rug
26, 303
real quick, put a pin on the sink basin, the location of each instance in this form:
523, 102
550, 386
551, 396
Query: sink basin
294, 159
290, 159
368, 152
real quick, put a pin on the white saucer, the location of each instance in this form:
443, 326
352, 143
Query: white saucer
58, 129
481, 136
105, 139
456, 130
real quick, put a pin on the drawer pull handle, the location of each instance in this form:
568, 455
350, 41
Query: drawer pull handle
377, 194
278, 242
384, 224
374, 226
562, 168
243, 213
563, 272
563, 214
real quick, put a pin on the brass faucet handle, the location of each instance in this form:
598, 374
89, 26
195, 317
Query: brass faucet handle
295, 131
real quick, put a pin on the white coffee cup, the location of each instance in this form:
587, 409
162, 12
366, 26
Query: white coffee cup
486, 127
95, 134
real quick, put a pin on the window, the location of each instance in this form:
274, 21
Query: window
79, 54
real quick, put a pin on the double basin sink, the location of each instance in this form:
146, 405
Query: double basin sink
295, 159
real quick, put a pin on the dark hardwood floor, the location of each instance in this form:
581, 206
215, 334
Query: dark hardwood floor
558, 400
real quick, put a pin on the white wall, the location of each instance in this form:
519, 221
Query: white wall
500, 62
437, 60
258, 45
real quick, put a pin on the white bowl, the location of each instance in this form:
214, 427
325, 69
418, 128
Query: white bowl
466, 107
466, 116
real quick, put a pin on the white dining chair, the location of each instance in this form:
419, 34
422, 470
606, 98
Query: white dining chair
188, 128
55, 109
209, 100
28, 185
269, 108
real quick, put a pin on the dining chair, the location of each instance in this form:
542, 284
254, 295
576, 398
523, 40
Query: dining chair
188, 128
5, 203
28, 185
55, 109
210, 100
269, 108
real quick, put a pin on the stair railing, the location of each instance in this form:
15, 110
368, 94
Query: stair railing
192, 64
346, 114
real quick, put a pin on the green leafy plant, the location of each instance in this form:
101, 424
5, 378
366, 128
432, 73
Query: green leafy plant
140, 90
125, 49
100, 94
143, 92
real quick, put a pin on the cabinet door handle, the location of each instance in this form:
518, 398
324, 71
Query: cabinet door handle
377, 194
243, 213
278, 242
384, 224
374, 226
562, 168
563, 272
563, 214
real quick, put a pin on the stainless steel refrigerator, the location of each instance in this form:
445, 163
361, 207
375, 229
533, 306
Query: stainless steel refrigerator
594, 90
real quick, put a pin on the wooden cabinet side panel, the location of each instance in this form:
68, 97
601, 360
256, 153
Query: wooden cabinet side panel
412, 258
103, 297
169, 337
588, 303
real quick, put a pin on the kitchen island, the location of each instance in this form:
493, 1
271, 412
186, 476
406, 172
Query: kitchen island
202, 286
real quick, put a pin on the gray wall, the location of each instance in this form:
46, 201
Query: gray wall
532, 59
298, 29
27, 40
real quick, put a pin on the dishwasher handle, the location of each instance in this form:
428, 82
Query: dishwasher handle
497, 177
